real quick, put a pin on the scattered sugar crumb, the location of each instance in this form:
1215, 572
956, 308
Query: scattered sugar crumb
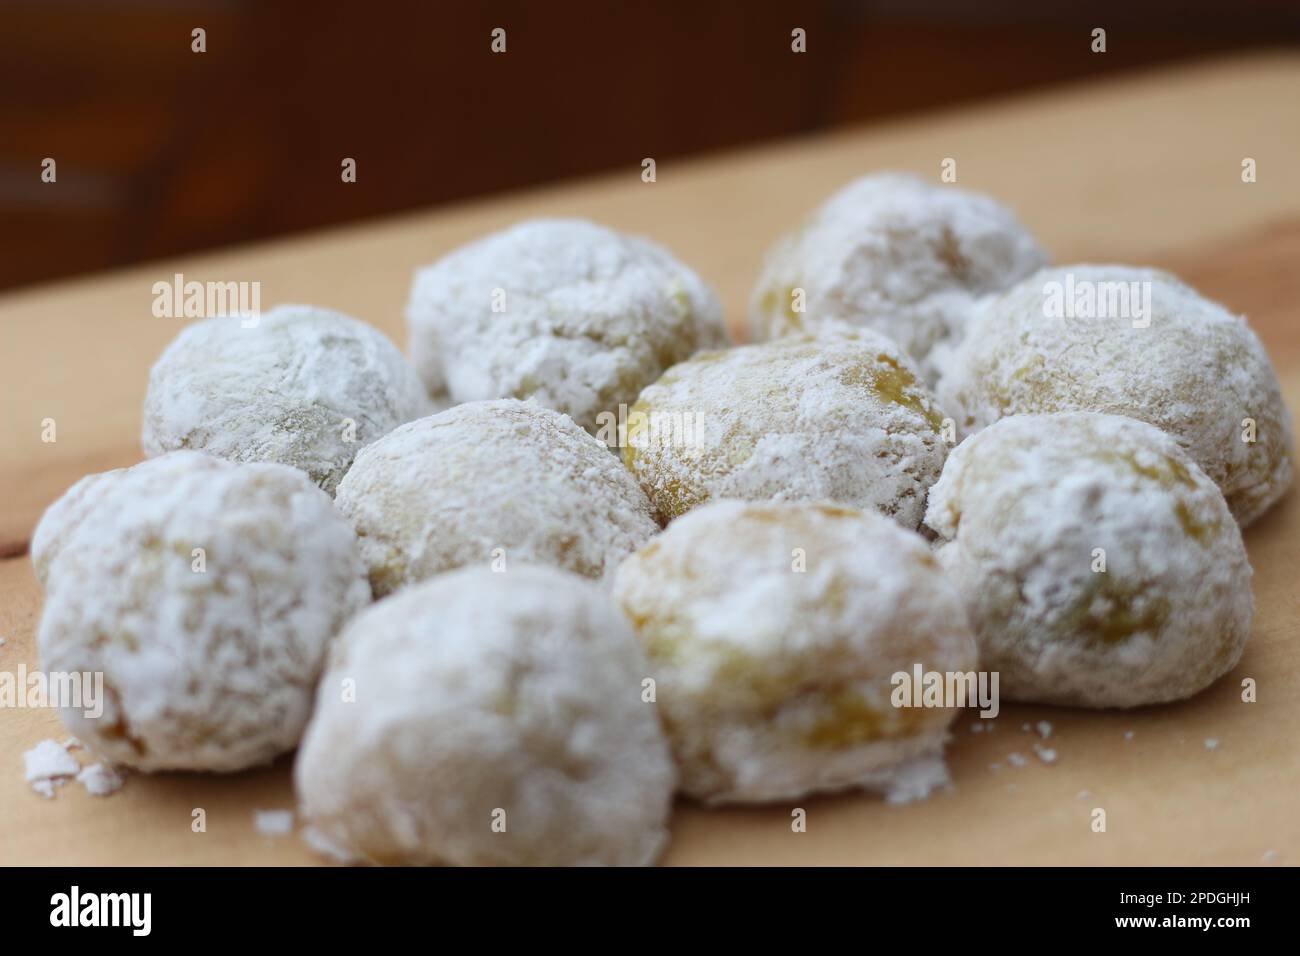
1016, 760
101, 779
1271, 856
3, 642
977, 728
273, 822
48, 765
1083, 795
1211, 743
1045, 754
1129, 735
1044, 729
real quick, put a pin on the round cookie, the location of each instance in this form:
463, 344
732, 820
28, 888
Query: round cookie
896, 254
839, 417
1143, 345
774, 632
573, 315
491, 483
1099, 565
304, 386
204, 592
495, 719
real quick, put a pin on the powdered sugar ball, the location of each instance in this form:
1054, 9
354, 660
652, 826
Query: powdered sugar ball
841, 417
303, 386
1133, 342
493, 719
1100, 566
491, 483
896, 254
204, 592
571, 314
773, 633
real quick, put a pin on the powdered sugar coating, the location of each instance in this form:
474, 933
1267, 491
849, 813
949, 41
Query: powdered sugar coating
305, 387
773, 681
840, 417
896, 254
61, 519
1031, 509
1196, 371
208, 660
585, 317
501, 482
509, 699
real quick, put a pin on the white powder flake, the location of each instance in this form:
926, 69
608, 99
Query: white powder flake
1044, 729
1045, 754
1211, 743
48, 765
101, 779
1016, 759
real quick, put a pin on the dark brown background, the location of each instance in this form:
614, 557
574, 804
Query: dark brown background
162, 150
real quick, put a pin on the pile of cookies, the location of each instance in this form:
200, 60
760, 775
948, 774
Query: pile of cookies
578, 555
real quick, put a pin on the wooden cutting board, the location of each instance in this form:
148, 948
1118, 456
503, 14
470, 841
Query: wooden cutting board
1144, 170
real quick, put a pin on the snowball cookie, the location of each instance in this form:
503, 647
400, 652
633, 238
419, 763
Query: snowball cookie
896, 254
304, 386
204, 592
492, 719
1164, 355
773, 632
1100, 566
840, 417
491, 483
569, 313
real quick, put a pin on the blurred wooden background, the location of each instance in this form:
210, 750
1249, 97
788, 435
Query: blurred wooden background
163, 150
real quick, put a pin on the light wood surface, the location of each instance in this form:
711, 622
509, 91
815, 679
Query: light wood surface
1144, 169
